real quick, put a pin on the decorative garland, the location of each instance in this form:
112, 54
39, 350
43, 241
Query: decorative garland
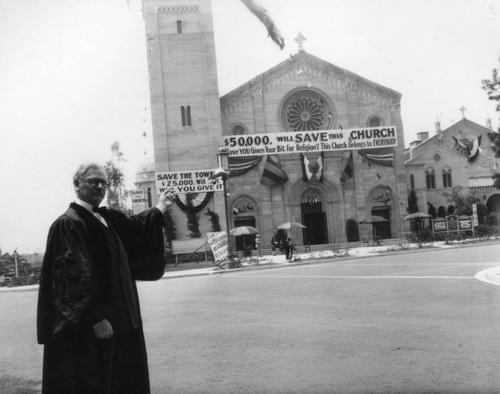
201, 201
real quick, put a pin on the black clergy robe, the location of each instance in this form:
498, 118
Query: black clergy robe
88, 274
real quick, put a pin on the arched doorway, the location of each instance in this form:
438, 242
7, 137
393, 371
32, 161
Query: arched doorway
493, 205
381, 201
313, 217
244, 213
382, 229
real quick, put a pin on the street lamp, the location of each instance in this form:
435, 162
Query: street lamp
16, 256
223, 164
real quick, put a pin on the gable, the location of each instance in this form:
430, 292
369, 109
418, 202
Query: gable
303, 62
453, 146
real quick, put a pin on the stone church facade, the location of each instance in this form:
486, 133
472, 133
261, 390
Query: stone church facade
331, 192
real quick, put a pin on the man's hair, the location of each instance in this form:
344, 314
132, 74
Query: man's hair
83, 168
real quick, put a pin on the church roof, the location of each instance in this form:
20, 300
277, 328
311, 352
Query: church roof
305, 61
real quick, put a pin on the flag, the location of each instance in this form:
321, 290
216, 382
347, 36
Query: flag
460, 147
306, 172
381, 156
310, 170
241, 165
273, 174
474, 150
263, 15
348, 171
468, 148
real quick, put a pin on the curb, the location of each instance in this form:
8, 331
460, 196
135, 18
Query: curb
320, 260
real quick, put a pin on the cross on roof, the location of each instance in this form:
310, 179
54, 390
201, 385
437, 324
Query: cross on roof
300, 40
462, 109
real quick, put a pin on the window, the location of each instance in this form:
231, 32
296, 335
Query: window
412, 182
430, 179
186, 115
375, 121
179, 27
238, 129
447, 177
306, 110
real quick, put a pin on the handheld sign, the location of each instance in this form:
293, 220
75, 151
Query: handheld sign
138, 201
182, 182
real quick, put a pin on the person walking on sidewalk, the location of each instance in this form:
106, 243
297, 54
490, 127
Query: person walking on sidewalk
289, 248
88, 315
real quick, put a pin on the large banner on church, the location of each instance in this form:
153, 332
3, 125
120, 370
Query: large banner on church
188, 181
310, 141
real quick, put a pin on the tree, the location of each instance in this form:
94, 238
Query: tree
492, 87
169, 228
117, 193
193, 220
214, 219
432, 210
412, 202
463, 204
496, 180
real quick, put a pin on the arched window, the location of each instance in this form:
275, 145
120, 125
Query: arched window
441, 212
447, 177
179, 27
451, 210
188, 115
412, 181
374, 121
430, 180
183, 115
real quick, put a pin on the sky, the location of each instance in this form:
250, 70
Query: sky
74, 79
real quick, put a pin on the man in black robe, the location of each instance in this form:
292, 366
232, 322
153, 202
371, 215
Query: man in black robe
88, 318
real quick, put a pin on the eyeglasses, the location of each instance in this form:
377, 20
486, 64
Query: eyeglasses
95, 182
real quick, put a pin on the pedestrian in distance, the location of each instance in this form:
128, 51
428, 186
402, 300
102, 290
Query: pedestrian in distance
273, 245
289, 248
88, 315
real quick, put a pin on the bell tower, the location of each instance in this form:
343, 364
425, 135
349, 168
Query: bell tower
185, 106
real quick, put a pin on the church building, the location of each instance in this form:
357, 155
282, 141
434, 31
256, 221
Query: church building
459, 157
334, 193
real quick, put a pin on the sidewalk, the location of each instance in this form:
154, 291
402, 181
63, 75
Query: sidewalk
491, 275
277, 261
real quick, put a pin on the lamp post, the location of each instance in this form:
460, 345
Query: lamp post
16, 256
223, 163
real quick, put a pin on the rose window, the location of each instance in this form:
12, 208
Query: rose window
306, 111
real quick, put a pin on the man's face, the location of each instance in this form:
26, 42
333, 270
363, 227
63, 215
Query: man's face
92, 186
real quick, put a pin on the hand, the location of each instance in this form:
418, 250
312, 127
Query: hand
166, 200
103, 329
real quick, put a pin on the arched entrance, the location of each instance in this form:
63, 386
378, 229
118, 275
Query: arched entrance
493, 205
245, 214
381, 202
313, 217
382, 229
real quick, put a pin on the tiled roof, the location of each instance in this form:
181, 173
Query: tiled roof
480, 181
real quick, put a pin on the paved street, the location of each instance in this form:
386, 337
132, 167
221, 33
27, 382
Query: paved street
411, 323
